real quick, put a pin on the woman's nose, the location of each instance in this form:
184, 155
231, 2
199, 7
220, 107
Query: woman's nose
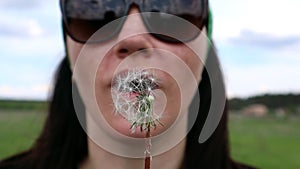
133, 36
130, 45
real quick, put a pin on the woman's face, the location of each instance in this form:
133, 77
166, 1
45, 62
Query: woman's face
166, 62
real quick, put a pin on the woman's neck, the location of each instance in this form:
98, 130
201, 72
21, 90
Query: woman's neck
101, 159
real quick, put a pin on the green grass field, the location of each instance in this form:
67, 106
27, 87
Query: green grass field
267, 143
18, 130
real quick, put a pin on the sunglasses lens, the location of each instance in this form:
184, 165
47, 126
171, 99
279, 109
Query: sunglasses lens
82, 20
170, 28
174, 22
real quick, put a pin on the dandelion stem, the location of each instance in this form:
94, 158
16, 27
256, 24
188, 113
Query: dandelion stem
148, 149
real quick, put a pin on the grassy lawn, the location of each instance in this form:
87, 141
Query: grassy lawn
18, 130
267, 143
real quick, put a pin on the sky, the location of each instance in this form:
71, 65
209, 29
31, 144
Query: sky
258, 42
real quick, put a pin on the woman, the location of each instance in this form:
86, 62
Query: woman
66, 143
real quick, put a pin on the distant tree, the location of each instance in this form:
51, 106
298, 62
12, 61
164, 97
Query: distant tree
290, 102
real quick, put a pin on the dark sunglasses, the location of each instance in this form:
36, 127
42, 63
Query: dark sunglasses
83, 18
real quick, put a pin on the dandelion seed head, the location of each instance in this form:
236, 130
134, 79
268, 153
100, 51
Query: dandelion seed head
133, 98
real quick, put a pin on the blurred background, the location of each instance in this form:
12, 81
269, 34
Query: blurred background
259, 46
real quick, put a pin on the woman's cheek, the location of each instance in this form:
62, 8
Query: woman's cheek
73, 49
189, 58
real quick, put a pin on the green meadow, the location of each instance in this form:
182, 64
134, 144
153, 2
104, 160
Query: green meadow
267, 143
18, 130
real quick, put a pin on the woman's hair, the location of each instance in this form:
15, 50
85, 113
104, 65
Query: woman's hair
62, 143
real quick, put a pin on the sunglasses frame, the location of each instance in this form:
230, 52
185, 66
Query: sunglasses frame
139, 4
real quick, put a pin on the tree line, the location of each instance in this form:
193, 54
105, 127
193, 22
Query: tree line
289, 101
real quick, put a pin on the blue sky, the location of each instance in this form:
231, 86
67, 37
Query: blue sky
258, 43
